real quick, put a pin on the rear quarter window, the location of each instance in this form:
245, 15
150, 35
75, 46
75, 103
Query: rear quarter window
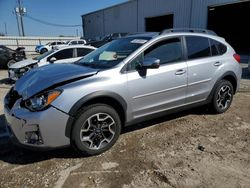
222, 48
217, 48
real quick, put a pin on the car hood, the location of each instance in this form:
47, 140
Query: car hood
42, 78
24, 63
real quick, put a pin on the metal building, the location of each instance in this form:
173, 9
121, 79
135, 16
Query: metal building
222, 16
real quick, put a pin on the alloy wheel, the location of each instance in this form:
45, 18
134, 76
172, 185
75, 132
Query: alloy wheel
224, 97
98, 131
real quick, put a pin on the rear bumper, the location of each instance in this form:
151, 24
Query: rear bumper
47, 126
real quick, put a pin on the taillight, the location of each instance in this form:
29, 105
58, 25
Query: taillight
237, 57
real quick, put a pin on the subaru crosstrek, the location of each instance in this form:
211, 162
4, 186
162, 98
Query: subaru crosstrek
86, 104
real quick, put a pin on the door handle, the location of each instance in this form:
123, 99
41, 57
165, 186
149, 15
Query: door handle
180, 72
217, 64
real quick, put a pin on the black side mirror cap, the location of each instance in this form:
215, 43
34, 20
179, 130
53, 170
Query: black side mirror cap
151, 63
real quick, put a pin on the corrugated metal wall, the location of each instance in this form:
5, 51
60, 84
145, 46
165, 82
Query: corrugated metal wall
130, 16
200, 11
94, 24
151, 8
121, 18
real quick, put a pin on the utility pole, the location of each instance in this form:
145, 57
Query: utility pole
17, 20
20, 11
5, 27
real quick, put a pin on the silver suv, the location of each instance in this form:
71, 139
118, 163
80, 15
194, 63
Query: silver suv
86, 104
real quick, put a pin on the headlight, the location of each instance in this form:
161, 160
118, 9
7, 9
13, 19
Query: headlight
42, 101
23, 70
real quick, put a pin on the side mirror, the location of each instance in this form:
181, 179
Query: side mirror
151, 63
52, 60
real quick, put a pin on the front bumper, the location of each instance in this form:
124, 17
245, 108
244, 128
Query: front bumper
49, 125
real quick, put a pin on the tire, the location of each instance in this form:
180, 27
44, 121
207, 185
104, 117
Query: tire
43, 50
11, 62
222, 97
96, 129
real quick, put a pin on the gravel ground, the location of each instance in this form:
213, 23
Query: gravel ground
188, 149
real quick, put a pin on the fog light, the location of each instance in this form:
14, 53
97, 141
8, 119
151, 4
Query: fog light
33, 137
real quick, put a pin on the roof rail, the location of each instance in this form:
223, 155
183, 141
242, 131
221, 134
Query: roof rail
190, 30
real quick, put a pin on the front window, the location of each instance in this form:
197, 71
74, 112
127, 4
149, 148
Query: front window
167, 51
113, 53
63, 54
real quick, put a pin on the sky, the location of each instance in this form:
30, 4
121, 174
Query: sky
64, 12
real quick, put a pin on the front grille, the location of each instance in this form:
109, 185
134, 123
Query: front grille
12, 97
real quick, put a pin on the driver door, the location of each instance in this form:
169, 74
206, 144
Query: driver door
158, 89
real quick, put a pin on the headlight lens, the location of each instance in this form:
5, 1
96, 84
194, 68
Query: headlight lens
42, 101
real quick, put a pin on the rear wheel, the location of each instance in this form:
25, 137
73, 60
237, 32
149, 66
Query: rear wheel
223, 97
96, 129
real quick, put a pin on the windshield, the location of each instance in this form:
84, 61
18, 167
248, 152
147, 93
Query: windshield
67, 42
48, 43
38, 58
112, 53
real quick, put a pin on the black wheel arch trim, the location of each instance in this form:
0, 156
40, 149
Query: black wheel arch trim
78, 105
229, 73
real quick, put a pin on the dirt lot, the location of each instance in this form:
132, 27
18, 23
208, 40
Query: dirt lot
188, 149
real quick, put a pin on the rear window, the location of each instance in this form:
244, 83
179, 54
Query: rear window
83, 51
73, 42
197, 47
81, 42
217, 48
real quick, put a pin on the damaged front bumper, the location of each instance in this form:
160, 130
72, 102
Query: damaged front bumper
40, 130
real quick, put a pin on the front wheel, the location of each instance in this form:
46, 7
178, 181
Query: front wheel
11, 62
223, 97
96, 129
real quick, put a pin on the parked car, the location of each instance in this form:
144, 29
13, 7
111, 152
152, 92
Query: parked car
126, 81
71, 42
44, 48
106, 39
87, 39
9, 56
64, 55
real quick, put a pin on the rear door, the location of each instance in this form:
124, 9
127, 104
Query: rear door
162, 88
202, 65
